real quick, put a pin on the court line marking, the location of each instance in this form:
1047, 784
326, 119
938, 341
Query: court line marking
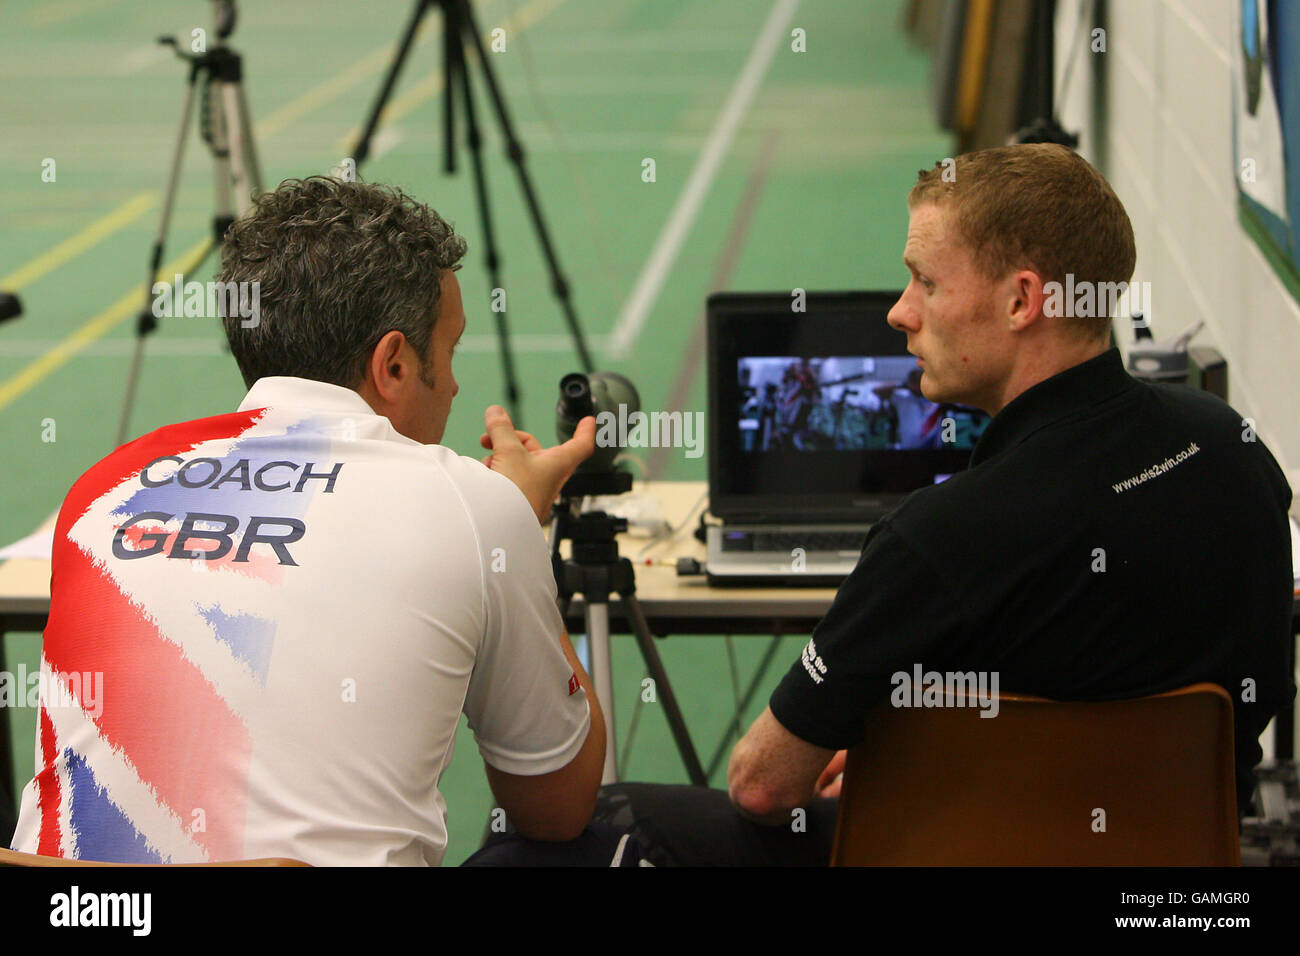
50, 13
36, 371
723, 270
131, 210
73, 246
94, 329
645, 293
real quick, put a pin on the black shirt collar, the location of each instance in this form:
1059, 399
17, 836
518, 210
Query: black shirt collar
1052, 399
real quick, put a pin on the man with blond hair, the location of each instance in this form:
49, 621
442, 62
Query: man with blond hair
1110, 539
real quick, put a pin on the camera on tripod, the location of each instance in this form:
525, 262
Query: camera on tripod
595, 569
597, 394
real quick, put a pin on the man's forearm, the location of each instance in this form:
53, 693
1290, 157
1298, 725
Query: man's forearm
773, 772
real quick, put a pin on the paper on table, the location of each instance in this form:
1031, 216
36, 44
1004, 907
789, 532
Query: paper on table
38, 544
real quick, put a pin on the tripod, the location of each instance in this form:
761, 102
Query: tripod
596, 570
216, 76
458, 25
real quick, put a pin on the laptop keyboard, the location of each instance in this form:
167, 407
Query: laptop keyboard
785, 541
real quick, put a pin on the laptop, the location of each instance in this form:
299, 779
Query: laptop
817, 428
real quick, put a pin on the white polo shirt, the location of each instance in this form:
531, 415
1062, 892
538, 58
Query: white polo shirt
264, 627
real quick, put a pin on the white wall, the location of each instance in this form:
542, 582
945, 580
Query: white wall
1167, 149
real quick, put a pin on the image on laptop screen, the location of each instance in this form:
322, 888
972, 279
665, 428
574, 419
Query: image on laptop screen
845, 403
819, 414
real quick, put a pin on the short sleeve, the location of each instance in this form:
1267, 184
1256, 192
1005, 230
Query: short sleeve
524, 704
892, 613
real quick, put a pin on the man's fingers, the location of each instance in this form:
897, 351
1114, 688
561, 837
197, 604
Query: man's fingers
833, 770
579, 448
529, 442
501, 430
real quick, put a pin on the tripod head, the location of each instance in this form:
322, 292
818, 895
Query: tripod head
605, 395
224, 17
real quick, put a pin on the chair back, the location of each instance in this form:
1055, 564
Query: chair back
1142, 782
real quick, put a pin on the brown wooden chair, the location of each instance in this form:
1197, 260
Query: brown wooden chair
14, 858
1035, 785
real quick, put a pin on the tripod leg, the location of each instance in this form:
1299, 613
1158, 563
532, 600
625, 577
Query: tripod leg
602, 678
237, 150
221, 168
736, 729
362, 149
515, 153
641, 628
453, 70
492, 256
252, 171
147, 322
173, 181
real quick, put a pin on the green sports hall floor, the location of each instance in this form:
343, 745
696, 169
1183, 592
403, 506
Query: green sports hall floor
809, 193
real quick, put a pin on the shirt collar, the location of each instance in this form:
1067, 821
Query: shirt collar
275, 391
1077, 388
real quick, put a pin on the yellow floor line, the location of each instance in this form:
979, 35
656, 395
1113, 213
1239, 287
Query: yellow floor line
125, 307
97, 231
101, 324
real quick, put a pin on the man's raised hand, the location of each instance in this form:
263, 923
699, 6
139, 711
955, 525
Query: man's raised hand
538, 472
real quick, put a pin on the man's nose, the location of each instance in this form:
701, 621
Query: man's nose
901, 316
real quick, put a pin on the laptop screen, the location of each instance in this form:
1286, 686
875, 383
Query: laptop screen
818, 415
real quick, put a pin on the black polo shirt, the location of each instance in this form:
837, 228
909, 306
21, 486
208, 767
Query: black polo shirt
1111, 539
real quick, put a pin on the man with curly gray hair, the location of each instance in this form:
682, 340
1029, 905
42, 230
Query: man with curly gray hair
284, 610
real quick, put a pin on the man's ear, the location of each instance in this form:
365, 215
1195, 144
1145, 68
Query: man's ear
387, 369
1024, 300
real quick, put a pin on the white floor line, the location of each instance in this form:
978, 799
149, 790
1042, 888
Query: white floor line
648, 285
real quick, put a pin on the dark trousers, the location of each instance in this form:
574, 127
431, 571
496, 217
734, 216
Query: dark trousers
697, 826
668, 825
598, 845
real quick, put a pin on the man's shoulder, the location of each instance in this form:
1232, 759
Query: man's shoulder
175, 440
479, 486
1233, 437
967, 493
1064, 477
939, 524
1194, 403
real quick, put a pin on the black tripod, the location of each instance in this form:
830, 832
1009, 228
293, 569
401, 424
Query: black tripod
216, 76
458, 24
596, 570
